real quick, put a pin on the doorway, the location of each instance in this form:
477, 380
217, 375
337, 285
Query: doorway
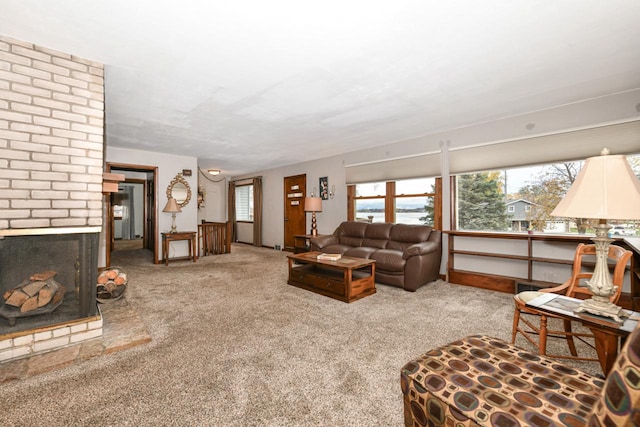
295, 221
131, 212
128, 215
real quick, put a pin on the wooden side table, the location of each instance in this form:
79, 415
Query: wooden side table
605, 330
174, 237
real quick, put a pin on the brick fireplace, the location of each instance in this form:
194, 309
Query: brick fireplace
51, 164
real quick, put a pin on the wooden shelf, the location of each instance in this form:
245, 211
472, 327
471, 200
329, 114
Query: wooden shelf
506, 283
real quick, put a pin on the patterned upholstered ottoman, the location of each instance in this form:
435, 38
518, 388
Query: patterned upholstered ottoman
484, 381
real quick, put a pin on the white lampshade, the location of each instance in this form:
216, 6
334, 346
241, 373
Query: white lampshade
313, 204
172, 206
605, 188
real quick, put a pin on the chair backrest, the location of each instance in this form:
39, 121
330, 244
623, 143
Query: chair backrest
616, 254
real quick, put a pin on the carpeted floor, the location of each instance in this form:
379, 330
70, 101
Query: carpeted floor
234, 345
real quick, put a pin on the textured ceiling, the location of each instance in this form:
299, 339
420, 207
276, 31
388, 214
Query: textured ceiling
251, 85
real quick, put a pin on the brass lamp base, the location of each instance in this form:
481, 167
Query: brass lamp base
314, 227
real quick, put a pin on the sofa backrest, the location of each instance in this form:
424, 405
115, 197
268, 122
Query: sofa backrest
620, 396
351, 233
381, 235
405, 235
377, 235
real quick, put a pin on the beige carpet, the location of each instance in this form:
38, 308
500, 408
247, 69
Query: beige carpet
234, 345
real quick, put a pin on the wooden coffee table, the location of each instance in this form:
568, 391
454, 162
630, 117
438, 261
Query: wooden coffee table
347, 279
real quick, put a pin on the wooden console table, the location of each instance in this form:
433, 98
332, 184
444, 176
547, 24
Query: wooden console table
347, 279
605, 330
174, 237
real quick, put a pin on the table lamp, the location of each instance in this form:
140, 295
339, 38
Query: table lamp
172, 207
606, 188
313, 205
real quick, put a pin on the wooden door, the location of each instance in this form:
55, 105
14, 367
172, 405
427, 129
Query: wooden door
295, 189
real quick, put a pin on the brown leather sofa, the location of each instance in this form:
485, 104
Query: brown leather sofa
407, 256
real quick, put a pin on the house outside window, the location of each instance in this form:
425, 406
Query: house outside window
510, 199
244, 203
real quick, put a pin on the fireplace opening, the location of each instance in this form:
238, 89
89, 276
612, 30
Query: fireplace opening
73, 256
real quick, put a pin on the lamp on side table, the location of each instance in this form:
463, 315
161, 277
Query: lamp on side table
172, 207
313, 205
606, 188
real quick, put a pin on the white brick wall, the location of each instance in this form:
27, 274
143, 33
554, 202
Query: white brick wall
51, 137
35, 342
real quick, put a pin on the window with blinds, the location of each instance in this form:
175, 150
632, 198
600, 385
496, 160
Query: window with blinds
244, 203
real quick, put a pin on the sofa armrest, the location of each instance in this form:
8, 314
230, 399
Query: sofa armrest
422, 248
322, 241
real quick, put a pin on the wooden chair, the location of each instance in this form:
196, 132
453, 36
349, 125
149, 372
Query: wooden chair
571, 288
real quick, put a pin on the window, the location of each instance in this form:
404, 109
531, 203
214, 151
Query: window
414, 201
482, 199
410, 201
370, 202
244, 203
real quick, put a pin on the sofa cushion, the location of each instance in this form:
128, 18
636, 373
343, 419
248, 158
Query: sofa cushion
389, 260
351, 233
361, 252
377, 235
404, 235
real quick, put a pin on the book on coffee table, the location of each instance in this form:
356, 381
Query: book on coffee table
329, 257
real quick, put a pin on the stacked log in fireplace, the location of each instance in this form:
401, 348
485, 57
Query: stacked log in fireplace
41, 293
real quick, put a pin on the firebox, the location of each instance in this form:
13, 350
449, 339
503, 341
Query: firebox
66, 256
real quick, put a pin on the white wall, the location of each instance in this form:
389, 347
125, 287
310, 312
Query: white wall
168, 166
333, 212
215, 206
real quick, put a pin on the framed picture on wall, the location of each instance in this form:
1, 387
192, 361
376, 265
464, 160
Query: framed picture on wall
324, 187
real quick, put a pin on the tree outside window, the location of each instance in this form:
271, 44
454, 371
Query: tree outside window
481, 202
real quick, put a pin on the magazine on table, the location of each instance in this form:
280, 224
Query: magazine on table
562, 304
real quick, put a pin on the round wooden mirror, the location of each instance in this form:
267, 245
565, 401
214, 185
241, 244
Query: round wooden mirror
179, 189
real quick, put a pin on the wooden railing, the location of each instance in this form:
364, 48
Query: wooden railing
214, 238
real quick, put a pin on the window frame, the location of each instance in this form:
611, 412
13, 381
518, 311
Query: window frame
390, 197
250, 206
